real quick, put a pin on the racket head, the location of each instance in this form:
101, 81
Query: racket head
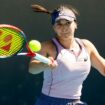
12, 40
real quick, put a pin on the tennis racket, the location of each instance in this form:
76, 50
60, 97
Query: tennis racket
13, 40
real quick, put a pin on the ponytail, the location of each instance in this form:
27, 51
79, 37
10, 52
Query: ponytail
56, 12
39, 8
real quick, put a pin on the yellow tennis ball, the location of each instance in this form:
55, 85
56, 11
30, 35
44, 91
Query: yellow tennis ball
34, 45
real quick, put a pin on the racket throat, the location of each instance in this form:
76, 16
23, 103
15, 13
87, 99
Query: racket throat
30, 54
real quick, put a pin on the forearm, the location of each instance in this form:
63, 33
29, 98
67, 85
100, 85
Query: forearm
35, 68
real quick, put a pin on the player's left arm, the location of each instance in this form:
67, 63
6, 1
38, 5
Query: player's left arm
98, 62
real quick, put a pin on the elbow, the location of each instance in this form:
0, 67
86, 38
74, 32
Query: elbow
31, 69
104, 71
34, 68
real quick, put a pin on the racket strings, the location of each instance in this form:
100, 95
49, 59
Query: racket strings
6, 34
11, 41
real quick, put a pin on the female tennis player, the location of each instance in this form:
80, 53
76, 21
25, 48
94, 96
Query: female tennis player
72, 59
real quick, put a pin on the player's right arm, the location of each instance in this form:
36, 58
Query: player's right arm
36, 66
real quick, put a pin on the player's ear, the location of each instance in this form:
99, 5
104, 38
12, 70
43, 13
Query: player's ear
76, 25
54, 28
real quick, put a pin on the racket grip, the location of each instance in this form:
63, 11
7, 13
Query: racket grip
42, 58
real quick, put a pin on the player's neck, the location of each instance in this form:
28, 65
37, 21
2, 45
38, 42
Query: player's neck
67, 42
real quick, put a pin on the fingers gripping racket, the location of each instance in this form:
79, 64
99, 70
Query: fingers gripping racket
12, 41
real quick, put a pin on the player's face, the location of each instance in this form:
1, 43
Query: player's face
65, 28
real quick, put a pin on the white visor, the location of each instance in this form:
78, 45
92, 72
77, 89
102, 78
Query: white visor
66, 14
65, 17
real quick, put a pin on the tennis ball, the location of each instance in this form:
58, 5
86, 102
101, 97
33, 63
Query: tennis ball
34, 45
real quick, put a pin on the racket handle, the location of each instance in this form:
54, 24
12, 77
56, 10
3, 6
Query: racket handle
42, 58
37, 56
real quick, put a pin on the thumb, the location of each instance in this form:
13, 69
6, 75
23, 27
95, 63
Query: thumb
53, 62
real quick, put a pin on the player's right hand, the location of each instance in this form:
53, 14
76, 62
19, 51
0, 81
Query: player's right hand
53, 63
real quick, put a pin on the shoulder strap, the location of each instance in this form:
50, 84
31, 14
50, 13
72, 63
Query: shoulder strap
82, 44
57, 44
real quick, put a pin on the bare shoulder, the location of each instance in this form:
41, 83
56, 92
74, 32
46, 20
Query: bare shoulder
46, 44
47, 48
87, 42
89, 45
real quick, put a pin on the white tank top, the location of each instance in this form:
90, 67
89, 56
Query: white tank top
65, 81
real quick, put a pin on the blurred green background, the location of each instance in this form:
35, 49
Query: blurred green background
17, 86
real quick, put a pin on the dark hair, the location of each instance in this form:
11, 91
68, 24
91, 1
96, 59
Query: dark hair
73, 9
54, 13
39, 8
